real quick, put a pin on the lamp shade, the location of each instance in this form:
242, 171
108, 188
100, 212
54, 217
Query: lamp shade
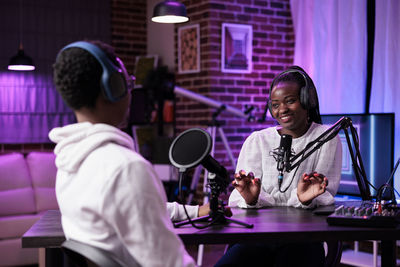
169, 11
21, 62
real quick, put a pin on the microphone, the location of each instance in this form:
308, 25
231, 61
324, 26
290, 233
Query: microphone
283, 156
191, 148
218, 175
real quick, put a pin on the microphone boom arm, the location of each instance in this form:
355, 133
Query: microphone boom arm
358, 166
213, 103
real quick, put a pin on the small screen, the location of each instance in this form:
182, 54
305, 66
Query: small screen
376, 139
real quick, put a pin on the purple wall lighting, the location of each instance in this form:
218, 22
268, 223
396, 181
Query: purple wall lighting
29, 108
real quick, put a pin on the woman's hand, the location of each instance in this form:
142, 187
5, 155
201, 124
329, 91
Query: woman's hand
248, 186
310, 186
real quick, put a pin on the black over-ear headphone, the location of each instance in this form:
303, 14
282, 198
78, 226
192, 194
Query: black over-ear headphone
113, 81
306, 101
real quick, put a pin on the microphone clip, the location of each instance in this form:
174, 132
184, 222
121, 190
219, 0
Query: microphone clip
279, 156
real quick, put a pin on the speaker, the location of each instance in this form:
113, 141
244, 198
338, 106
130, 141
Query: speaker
307, 101
113, 81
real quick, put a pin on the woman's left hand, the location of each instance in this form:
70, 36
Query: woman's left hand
310, 186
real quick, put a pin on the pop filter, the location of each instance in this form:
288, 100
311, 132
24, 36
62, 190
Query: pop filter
190, 148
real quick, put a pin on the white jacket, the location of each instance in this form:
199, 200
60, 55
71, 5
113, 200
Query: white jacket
111, 198
255, 157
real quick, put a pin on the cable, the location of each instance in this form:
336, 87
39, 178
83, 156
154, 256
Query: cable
391, 177
181, 175
291, 181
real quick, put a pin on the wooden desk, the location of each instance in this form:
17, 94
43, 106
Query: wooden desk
278, 223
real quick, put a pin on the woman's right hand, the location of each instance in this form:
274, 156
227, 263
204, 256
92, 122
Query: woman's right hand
248, 186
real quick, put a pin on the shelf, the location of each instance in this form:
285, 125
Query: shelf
362, 259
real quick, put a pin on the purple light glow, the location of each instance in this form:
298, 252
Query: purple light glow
21, 67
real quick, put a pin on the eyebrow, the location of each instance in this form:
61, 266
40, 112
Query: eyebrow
285, 97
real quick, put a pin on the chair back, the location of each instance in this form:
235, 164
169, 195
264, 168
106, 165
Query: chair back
84, 255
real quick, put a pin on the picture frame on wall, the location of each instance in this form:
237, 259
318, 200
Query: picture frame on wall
189, 49
236, 46
143, 65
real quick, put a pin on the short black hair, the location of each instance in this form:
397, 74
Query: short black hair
77, 75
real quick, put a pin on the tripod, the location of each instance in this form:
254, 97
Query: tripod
216, 215
214, 126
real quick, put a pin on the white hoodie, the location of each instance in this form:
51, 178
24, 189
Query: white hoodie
111, 198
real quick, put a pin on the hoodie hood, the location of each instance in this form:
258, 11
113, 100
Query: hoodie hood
76, 141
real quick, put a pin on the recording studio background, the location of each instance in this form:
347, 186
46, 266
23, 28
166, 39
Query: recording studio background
350, 49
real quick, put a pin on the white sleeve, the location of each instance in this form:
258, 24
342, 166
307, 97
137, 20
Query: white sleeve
177, 213
136, 207
250, 160
330, 164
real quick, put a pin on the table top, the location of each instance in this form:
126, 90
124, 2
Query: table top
283, 223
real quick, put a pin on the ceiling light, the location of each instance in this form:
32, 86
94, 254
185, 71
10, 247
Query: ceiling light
169, 11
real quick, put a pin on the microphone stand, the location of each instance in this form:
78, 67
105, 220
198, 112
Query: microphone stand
216, 215
358, 166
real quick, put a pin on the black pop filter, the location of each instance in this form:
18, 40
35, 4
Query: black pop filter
190, 148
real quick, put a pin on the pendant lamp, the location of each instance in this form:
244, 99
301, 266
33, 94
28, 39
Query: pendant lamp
21, 61
169, 11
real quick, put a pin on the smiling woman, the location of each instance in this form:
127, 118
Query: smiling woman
287, 110
258, 183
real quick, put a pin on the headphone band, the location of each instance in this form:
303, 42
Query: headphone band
286, 72
113, 80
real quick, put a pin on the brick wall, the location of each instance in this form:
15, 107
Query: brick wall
128, 30
273, 49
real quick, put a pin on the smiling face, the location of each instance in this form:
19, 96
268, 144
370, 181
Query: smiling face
287, 110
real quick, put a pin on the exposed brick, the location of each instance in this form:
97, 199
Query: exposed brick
277, 20
241, 17
261, 3
276, 52
273, 48
251, 10
275, 36
227, 15
243, 98
260, 83
243, 82
267, 11
234, 8
277, 5
226, 82
260, 35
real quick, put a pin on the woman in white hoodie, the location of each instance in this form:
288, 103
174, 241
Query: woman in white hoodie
109, 196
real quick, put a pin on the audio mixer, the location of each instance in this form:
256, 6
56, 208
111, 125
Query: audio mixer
366, 215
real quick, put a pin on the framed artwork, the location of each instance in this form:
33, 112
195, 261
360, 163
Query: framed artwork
143, 65
189, 49
236, 54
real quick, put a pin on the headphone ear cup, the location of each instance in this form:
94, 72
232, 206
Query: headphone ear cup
304, 101
114, 85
